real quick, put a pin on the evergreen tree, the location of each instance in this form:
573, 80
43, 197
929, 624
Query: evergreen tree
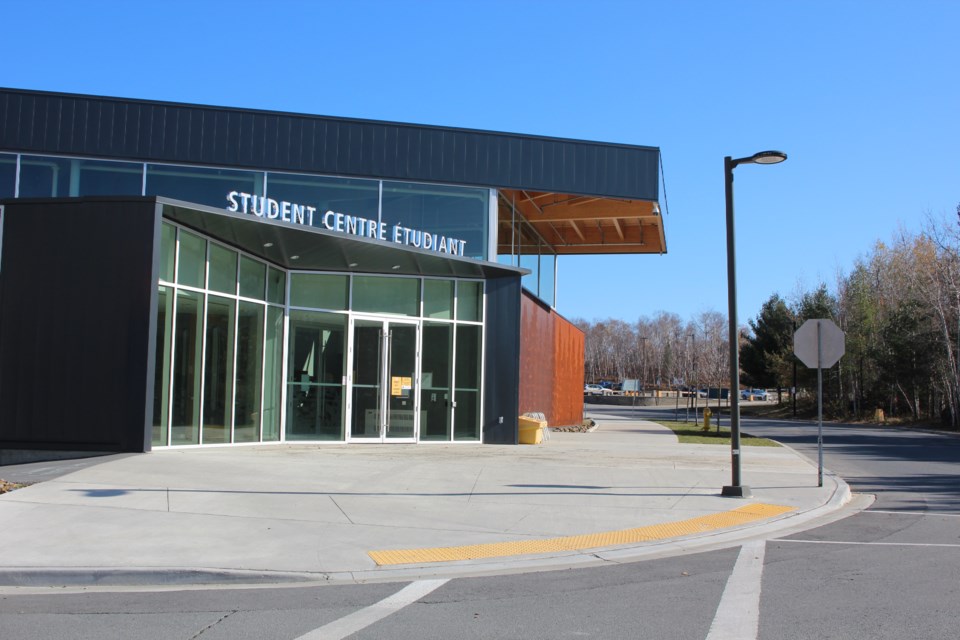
766, 359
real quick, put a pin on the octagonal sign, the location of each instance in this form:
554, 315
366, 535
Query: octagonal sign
832, 344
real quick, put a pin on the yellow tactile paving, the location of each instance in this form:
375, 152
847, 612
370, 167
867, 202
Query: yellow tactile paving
723, 520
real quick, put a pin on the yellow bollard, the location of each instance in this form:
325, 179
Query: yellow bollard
706, 419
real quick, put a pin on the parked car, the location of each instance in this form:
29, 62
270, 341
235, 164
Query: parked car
753, 394
593, 390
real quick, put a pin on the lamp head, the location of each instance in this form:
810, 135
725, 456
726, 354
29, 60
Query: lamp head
767, 157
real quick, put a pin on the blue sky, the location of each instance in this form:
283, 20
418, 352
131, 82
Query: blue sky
863, 96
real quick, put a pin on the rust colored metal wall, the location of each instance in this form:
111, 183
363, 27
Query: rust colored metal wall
568, 381
551, 364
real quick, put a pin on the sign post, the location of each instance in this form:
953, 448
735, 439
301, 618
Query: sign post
819, 343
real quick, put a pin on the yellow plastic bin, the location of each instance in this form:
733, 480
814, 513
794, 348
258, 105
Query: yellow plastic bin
531, 430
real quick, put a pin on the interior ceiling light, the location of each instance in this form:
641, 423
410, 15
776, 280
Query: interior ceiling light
268, 244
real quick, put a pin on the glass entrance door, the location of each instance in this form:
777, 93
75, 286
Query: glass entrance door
384, 382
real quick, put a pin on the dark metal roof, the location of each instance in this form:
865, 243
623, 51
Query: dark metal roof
99, 127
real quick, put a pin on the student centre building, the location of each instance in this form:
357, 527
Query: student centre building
184, 275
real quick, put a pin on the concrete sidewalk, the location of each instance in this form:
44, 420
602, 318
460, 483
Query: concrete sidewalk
309, 512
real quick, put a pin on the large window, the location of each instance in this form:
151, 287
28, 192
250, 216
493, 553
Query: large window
453, 212
226, 321
350, 196
43, 177
200, 184
467, 392
219, 346
376, 294
520, 245
436, 392
315, 376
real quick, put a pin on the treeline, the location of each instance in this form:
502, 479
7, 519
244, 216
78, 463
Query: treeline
899, 309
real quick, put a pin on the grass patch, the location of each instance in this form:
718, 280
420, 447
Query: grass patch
690, 433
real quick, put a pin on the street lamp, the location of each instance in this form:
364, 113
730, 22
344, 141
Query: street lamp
736, 489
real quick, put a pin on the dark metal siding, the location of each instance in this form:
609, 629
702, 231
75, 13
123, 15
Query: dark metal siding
76, 339
40, 122
502, 361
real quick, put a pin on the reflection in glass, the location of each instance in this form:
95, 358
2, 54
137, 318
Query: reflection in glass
315, 375
191, 267
185, 413
273, 366
249, 356
453, 212
467, 392
218, 371
436, 396
318, 291
276, 286
470, 300
161, 376
386, 295
401, 380
43, 177
253, 278
438, 299
168, 250
367, 367
201, 185
223, 269
351, 196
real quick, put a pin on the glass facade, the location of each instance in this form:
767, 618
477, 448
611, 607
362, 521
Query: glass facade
47, 177
529, 251
353, 196
200, 184
247, 352
242, 359
219, 345
452, 212
440, 211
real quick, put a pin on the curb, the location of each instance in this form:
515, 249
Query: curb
185, 577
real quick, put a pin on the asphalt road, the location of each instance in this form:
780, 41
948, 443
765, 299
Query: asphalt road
889, 571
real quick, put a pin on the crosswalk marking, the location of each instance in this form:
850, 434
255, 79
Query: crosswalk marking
363, 618
874, 544
738, 614
915, 513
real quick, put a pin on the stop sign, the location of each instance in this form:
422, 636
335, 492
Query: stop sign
831, 343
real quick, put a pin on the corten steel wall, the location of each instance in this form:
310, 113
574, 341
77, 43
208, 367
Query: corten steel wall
568, 387
77, 322
551, 364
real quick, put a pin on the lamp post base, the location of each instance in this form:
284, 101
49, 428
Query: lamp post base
736, 491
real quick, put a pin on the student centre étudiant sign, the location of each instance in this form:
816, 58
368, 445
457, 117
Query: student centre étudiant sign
301, 214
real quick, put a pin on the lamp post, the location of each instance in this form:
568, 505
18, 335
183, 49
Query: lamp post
643, 365
696, 386
736, 489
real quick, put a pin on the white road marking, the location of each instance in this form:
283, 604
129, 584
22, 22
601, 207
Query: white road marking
915, 513
874, 544
363, 618
738, 614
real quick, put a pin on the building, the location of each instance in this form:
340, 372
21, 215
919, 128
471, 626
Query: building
177, 274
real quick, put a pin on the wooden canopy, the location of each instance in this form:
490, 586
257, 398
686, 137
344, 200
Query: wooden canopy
578, 225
